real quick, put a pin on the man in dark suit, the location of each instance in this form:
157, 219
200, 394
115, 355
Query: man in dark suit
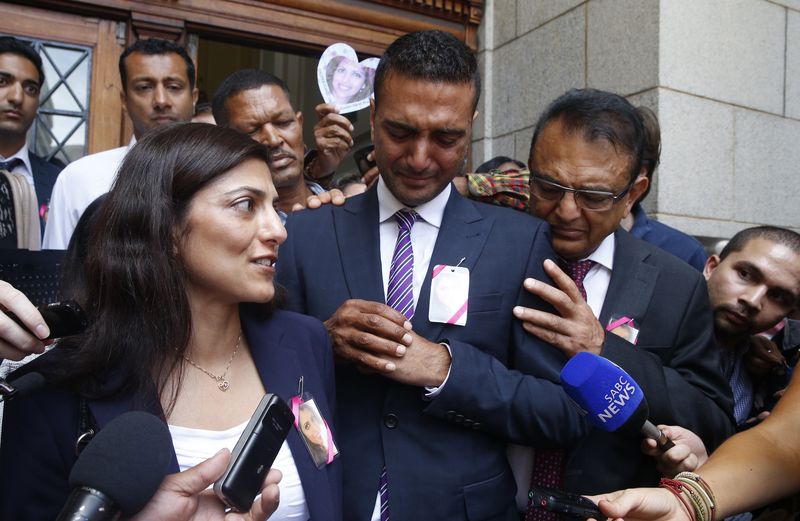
21, 79
642, 308
426, 401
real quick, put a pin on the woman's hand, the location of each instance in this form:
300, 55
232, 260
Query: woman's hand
15, 341
642, 504
185, 496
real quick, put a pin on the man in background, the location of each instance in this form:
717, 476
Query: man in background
258, 104
21, 81
158, 88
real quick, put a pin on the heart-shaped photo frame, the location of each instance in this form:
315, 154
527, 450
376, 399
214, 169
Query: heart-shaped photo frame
343, 80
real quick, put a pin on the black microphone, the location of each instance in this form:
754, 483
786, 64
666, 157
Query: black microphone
22, 385
63, 318
609, 396
120, 469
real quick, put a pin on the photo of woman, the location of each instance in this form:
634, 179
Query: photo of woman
343, 80
349, 81
315, 433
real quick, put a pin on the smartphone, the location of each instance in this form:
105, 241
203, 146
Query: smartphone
254, 453
360, 157
568, 506
64, 318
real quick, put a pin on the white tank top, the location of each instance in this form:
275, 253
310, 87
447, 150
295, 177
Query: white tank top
193, 446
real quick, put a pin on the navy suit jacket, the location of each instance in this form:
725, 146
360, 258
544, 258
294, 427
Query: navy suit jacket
44, 177
39, 430
445, 457
675, 361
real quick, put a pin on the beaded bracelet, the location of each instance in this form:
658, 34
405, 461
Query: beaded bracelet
699, 485
677, 489
698, 501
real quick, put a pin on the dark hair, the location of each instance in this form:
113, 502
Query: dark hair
140, 321
202, 108
155, 47
433, 56
240, 81
774, 234
597, 115
651, 154
495, 162
340, 181
11, 45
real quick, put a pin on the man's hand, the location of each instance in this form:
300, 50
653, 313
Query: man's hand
762, 357
377, 338
333, 138
370, 176
425, 364
688, 453
333, 196
184, 496
576, 329
370, 334
15, 341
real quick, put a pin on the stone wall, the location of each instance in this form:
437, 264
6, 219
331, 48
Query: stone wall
722, 75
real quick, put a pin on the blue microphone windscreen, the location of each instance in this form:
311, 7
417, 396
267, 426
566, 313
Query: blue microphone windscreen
126, 460
601, 388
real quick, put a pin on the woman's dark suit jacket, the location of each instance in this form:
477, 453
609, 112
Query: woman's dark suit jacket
39, 430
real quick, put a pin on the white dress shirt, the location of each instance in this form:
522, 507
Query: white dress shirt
599, 277
23, 169
423, 233
80, 183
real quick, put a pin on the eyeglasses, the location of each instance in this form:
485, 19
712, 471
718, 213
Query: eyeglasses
594, 200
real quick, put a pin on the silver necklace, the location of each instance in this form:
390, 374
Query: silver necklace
222, 382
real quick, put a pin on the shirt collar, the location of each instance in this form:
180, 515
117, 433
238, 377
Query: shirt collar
22, 154
604, 254
431, 212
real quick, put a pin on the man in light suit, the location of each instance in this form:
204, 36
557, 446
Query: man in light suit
426, 400
643, 309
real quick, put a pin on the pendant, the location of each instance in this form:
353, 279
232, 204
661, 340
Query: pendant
223, 385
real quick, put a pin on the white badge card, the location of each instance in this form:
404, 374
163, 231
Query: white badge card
449, 295
343, 80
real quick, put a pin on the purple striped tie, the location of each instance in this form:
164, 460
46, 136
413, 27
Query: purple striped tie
400, 296
383, 490
400, 291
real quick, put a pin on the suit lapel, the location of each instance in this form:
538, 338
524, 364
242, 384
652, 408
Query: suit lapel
356, 228
632, 281
280, 370
462, 235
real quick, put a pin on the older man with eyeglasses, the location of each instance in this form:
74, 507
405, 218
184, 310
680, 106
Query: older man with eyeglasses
615, 295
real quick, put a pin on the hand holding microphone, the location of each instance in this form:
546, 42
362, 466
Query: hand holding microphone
610, 398
687, 455
18, 342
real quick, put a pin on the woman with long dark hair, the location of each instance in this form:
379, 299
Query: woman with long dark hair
178, 286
